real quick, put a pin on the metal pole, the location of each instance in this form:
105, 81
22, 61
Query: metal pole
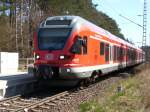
144, 24
144, 27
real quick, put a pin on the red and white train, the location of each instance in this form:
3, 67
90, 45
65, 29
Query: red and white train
70, 47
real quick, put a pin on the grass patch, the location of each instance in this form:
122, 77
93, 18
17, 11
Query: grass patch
91, 107
134, 96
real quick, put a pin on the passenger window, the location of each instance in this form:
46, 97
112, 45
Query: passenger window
121, 52
76, 48
118, 53
107, 52
115, 53
102, 48
110, 48
84, 44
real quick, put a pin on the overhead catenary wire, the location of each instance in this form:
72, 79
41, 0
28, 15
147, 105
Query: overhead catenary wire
128, 19
121, 15
131, 20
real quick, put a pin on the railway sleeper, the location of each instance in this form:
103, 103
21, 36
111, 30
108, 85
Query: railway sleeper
32, 110
63, 99
21, 103
43, 107
50, 104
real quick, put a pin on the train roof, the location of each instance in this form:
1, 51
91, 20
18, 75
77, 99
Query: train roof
70, 21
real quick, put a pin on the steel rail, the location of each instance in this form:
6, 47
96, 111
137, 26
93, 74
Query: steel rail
10, 98
48, 99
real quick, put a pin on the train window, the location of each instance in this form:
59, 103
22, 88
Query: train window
111, 47
76, 48
106, 52
118, 53
115, 53
53, 38
84, 43
102, 48
58, 22
121, 52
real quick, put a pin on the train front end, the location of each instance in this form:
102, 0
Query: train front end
52, 43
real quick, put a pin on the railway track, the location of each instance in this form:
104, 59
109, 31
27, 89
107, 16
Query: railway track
21, 104
18, 103
56, 102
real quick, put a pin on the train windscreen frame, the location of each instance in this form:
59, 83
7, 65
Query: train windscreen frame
58, 22
53, 38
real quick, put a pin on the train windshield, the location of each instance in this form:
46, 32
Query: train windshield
53, 38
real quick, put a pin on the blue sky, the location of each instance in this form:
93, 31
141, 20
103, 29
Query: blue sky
129, 9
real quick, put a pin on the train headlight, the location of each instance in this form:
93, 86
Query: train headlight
62, 57
37, 56
68, 70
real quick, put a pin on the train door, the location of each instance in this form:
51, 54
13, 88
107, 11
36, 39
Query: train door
78, 49
121, 56
125, 53
85, 46
81, 49
111, 54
